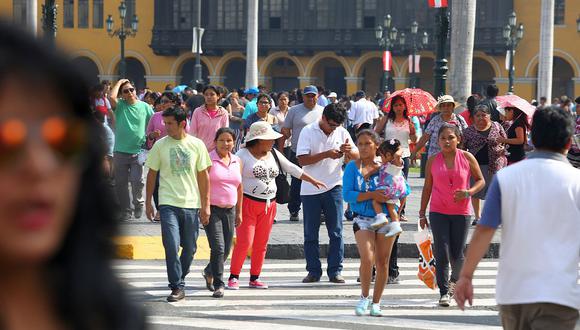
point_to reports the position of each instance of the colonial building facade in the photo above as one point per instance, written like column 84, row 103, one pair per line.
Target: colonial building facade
column 324, row 42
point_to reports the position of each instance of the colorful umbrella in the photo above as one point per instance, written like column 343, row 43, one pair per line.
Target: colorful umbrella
column 515, row 101
column 419, row 102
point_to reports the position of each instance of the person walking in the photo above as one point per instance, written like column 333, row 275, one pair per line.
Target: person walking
column 225, row 177
column 320, row 151
column 208, row 118
column 260, row 166
column 447, row 185
column 363, row 113
column 131, row 119
column 298, row 117
column 263, row 113
column 280, row 112
column 517, row 133
column 445, row 105
column 482, row 140
column 373, row 246
column 491, row 91
column 537, row 280
column 182, row 162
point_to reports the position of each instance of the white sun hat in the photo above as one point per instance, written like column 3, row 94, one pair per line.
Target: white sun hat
column 261, row 130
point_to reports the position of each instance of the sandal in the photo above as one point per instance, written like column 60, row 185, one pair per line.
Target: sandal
column 403, row 218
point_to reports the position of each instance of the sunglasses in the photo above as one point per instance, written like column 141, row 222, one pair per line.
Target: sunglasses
column 264, row 103
column 66, row 137
column 128, row 90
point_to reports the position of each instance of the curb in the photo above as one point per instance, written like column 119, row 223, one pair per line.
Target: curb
column 151, row 248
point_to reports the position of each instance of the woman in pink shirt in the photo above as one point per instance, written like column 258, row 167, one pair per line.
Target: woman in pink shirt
column 208, row 118
column 225, row 177
column 447, row 184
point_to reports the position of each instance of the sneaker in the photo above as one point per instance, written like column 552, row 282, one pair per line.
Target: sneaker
column 474, row 222
column 394, row 229
column 310, row 279
column 176, row 295
column 208, row 281
column 233, row 284
column 124, row 216
column 218, row 293
column 348, row 215
column 257, row 284
column 451, row 289
column 337, row 279
column 294, row 217
column 444, row 300
column 380, row 220
column 138, row 212
column 376, row 310
column 362, row 306
column 393, row 280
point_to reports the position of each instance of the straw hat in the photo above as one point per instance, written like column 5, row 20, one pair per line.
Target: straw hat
column 261, row 130
column 446, row 99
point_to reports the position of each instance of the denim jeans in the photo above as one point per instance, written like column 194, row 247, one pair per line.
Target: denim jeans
column 220, row 233
column 449, row 236
column 179, row 227
column 330, row 203
column 295, row 184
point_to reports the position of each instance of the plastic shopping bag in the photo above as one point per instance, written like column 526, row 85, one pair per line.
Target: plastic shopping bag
column 426, row 260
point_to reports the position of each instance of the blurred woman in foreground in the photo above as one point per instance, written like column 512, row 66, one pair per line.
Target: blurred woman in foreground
column 55, row 212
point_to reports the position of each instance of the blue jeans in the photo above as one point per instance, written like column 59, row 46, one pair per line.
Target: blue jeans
column 330, row 203
column 179, row 227
column 295, row 184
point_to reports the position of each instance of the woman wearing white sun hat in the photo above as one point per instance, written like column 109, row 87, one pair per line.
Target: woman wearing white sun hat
column 259, row 171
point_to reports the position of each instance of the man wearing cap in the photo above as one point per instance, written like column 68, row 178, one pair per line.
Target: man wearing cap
column 299, row 116
column 445, row 105
column 320, row 150
column 332, row 97
column 363, row 112
column 251, row 108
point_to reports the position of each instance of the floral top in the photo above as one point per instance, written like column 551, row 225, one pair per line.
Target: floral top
column 475, row 141
column 433, row 129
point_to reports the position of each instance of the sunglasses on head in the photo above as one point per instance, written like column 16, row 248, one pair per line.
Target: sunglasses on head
column 66, row 137
column 128, row 90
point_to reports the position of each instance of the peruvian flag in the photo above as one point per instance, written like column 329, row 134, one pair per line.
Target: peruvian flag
column 387, row 61
column 437, row 3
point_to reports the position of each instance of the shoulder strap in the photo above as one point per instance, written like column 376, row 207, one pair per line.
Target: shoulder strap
column 274, row 153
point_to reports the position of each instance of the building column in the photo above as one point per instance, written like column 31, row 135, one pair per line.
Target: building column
column 462, row 39
column 32, row 16
column 252, row 45
column 546, row 57
column 305, row 81
column 216, row 80
column 353, row 84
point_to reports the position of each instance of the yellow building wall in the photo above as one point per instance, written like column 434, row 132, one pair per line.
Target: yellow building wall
column 161, row 70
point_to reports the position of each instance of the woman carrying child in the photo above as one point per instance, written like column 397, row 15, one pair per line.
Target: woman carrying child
column 360, row 181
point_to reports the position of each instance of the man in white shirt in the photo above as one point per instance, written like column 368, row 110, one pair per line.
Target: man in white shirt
column 363, row 112
column 321, row 147
column 537, row 202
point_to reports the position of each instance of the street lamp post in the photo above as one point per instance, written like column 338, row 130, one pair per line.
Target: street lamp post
column 415, row 46
column 199, row 31
column 122, row 33
column 49, row 21
column 512, row 34
column 440, row 72
column 386, row 37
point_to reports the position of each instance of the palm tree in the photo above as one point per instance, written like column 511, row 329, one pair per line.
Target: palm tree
column 462, row 36
column 546, row 50
column 252, row 45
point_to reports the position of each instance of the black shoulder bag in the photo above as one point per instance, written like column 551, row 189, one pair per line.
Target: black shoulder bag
column 282, row 185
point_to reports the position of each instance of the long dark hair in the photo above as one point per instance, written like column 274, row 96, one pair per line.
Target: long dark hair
column 520, row 119
column 391, row 115
column 87, row 293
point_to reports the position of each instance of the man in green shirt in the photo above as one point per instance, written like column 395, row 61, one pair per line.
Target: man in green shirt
column 132, row 117
column 183, row 163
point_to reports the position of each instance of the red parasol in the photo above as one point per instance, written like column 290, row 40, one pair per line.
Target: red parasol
column 419, row 102
column 515, row 101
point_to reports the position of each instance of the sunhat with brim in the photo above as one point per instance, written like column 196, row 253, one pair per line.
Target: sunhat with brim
column 261, row 130
column 446, row 99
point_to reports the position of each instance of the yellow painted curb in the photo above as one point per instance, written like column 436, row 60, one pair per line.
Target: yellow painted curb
column 151, row 248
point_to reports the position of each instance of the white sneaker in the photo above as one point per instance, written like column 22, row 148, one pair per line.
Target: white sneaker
column 444, row 300
column 394, row 229
column 380, row 220
column 362, row 306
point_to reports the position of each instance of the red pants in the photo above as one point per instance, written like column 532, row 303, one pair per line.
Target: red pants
column 257, row 220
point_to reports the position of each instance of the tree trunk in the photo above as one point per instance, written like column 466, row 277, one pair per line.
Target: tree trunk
column 252, row 45
column 462, row 38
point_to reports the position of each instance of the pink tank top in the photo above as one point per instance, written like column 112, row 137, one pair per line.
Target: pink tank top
column 446, row 182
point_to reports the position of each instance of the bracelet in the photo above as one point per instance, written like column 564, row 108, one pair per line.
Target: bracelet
column 467, row 194
column 422, row 217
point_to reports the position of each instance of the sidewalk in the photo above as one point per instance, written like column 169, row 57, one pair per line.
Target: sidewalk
column 141, row 239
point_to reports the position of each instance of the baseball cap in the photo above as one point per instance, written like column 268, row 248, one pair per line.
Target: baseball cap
column 332, row 94
column 252, row 90
column 310, row 90
column 360, row 94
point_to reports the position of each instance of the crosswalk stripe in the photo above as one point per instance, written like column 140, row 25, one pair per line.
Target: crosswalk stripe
column 211, row 323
